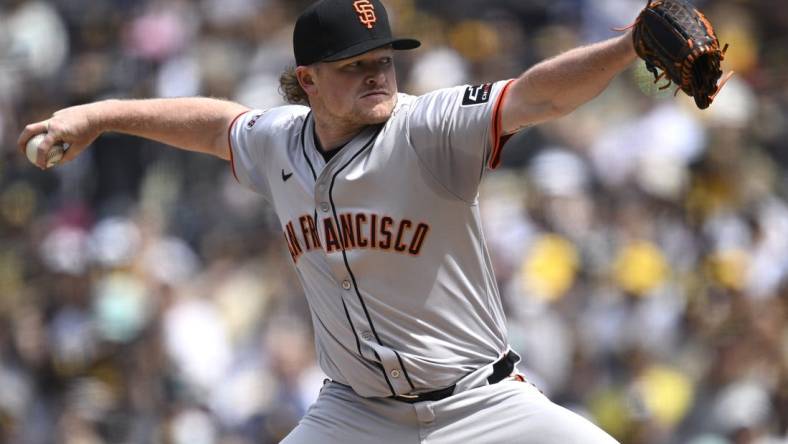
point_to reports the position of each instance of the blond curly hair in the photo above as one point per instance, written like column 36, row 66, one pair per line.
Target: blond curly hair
column 290, row 89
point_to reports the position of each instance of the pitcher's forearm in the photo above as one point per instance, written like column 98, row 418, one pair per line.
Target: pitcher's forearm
column 194, row 124
column 559, row 85
column 579, row 75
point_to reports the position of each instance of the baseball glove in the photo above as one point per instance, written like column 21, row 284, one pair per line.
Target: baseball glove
column 676, row 38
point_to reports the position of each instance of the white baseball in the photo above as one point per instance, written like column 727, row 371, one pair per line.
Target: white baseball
column 53, row 155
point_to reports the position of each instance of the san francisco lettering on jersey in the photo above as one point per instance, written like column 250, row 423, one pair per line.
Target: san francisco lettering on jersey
column 355, row 231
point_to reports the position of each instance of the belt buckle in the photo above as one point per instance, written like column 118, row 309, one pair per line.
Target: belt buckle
column 409, row 396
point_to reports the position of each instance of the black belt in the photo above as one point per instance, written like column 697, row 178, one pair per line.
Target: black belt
column 501, row 369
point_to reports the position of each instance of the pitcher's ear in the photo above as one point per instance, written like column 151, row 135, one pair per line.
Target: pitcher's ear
column 306, row 77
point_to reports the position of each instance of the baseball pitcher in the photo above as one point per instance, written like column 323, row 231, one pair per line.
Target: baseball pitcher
column 376, row 193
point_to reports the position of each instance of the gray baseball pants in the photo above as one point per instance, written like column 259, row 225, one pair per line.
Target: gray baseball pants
column 508, row 412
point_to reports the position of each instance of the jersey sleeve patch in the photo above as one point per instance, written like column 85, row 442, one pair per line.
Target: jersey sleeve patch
column 477, row 95
column 253, row 121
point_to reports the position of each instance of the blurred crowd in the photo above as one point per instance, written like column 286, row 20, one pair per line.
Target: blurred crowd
column 641, row 246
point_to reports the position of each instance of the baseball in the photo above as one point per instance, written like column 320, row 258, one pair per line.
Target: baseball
column 53, row 156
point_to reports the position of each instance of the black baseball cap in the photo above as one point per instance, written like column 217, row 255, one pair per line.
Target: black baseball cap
column 332, row 30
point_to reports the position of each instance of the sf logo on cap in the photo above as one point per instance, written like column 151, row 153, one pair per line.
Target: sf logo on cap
column 366, row 13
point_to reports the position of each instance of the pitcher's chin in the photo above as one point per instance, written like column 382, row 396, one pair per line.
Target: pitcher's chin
column 377, row 113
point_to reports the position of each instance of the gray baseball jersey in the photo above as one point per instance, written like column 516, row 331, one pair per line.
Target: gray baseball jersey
column 386, row 237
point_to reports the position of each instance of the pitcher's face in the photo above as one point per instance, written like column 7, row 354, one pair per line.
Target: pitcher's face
column 361, row 90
